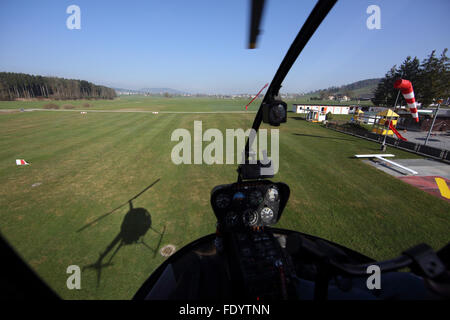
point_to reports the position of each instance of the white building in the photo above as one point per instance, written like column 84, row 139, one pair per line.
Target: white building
column 315, row 116
column 334, row 109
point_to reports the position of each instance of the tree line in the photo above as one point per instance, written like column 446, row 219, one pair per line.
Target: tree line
column 430, row 80
column 20, row 85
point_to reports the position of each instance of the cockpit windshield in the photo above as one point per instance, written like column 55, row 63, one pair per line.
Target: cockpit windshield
column 124, row 126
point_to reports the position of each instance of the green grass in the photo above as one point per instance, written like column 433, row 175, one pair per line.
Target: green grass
column 154, row 103
column 342, row 117
column 90, row 164
column 142, row 103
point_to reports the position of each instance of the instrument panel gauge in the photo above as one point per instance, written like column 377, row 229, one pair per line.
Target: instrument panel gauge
column 272, row 194
column 266, row 215
column 231, row 219
column 223, row 201
column 239, row 196
column 250, row 217
column 255, row 198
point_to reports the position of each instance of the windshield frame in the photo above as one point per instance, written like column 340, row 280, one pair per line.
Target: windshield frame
column 315, row 18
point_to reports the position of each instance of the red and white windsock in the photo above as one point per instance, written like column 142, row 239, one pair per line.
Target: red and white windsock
column 406, row 88
column 21, row 162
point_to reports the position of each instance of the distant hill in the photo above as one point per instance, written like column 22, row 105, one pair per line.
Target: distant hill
column 358, row 89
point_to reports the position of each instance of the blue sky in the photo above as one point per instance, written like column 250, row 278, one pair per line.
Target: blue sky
column 200, row 45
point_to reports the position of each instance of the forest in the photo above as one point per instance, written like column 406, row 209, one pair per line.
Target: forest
column 24, row 86
column 430, row 80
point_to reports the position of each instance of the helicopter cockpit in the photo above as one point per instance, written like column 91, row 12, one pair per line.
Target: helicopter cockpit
column 247, row 258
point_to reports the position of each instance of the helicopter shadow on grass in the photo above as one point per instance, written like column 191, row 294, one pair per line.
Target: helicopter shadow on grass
column 135, row 225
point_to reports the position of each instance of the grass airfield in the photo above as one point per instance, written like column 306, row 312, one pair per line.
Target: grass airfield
column 155, row 103
column 87, row 165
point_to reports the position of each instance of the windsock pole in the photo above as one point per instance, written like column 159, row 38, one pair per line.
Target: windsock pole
column 383, row 146
column 432, row 124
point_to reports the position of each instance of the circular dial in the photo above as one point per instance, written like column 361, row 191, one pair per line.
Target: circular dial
column 250, row 217
column 266, row 215
column 272, row 194
column 231, row 219
column 255, row 198
column 222, row 201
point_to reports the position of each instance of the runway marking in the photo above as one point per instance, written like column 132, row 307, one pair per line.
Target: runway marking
column 434, row 185
column 443, row 188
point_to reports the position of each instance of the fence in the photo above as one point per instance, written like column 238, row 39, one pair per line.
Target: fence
column 358, row 131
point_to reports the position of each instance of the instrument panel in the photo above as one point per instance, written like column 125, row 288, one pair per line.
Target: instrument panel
column 249, row 204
